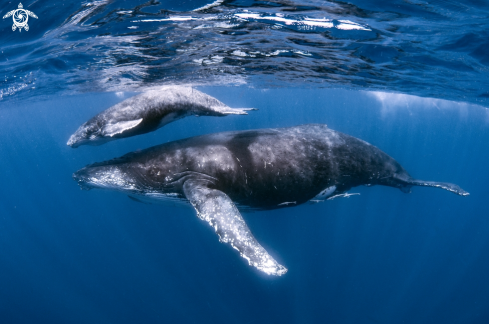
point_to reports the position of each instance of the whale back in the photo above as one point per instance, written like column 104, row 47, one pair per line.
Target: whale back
column 262, row 169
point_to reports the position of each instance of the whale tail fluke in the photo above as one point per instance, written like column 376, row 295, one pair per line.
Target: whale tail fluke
column 407, row 182
column 443, row 185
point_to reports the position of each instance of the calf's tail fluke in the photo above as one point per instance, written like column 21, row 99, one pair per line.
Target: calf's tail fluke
column 443, row 185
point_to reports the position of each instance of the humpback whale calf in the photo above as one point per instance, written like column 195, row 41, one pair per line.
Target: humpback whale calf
column 147, row 112
column 259, row 169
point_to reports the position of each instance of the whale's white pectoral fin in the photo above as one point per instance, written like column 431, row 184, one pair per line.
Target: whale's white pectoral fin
column 238, row 111
column 225, row 110
column 217, row 209
column 120, row 127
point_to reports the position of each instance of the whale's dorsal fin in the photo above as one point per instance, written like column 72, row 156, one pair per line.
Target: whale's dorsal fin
column 120, row 127
column 217, row 209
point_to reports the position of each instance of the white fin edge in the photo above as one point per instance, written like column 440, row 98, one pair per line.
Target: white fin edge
column 120, row 127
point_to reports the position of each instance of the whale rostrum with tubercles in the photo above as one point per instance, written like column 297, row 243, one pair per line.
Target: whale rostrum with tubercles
column 147, row 112
column 223, row 173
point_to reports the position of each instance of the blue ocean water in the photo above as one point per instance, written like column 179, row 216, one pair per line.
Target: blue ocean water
column 379, row 257
column 410, row 77
column 425, row 48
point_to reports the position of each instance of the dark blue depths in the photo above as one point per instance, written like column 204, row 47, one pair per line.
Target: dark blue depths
column 72, row 256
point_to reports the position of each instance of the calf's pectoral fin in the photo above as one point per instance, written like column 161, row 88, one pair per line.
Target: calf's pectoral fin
column 217, row 209
column 224, row 111
column 120, row 127
column 238, row 111
column 443, row 185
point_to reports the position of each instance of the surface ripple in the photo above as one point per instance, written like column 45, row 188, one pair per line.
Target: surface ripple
column 437, row 49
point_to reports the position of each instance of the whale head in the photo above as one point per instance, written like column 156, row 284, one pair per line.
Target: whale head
column 90, row 133
column 106, row 176
column 100, row 130
column 132, row 178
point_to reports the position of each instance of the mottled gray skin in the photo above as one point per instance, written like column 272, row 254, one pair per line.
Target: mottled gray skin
column 147, row 112
column 259, row 169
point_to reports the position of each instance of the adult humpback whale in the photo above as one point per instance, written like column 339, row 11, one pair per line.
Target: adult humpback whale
column 147, row 112
column 259, row 169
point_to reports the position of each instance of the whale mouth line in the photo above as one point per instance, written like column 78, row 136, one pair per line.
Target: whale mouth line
column 97, row 184
column 112, row 179
column 72, row 144
column 71, row 141
column 82, row 183
column 76, row 140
